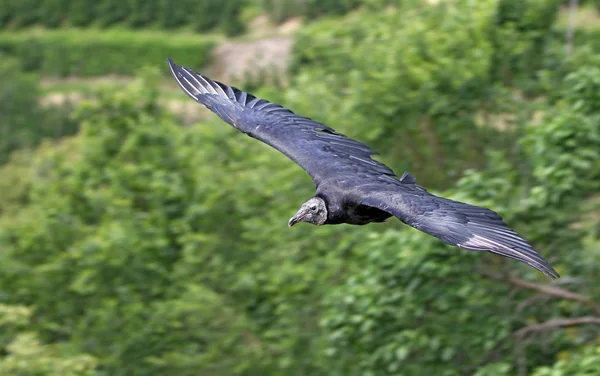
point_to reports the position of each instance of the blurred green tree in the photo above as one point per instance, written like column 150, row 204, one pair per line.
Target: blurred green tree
column 23, row 121
column 140, row 247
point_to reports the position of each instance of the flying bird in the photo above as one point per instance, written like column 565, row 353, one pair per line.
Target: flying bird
column 351, row 187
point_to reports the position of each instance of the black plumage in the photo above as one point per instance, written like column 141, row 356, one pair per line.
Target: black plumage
column 351, row 187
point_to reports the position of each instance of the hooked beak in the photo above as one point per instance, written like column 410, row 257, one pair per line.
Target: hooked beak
column 296, row 218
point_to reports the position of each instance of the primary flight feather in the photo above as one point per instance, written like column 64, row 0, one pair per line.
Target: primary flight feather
column 352, row 187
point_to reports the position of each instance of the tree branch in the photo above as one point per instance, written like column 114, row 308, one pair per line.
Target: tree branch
column 536, row 328
column 552, row 324
column 545, row 290
column 529, row 301
column 554, row 291
column 550, row 290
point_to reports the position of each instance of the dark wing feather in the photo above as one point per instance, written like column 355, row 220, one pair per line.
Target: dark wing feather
column 318, row 149
column 456, row 223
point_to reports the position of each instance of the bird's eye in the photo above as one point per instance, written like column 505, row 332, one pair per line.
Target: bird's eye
column 313, row 208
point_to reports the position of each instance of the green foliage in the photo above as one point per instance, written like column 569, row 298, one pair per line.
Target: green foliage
column 584, row 362
column 142, row 12
column 12, row 318
column 15, row 182
column 18, row 108
column 24, row 12
column 93, row 53
column 565, row 147
column 520, row 38
column 133, row 171
column 7, row 12
column 280, row 10
column 170, row 16
column 23, row 122
column 112, row 11
column 81, row 13
column 202, row 15
column 385, row 318
column 26, row 356
column 230, row 21
column 420, row 87
column 131, row 249
column 52, row 13
column 513, row 37
column 141, row 247
column 594, row 3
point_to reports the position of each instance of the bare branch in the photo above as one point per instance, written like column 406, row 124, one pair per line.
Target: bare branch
column 553, row 324
column 529, row 301
column 554, row 291
column 536, row 328
column 549, row 290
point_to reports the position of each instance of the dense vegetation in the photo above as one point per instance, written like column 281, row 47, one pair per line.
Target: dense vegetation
column 93, row 53
column 24, row 122
column 199, row 15
column 139, row 247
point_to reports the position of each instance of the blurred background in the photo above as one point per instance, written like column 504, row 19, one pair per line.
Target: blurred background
column 141, row 235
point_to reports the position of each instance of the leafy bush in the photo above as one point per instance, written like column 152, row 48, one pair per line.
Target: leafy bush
column 131, row 249
column 6, row 14
column 91, row 53
column 112, row 12
column 520, row 38
column 280, row 10
column 583, row 362
column 420, row 87
column 52, row 13
column 24, row 123
column 389, row 317
column 81, row 13
column 24, row 13
column 136, row 172
column 201, row 15
column 24, row 355
column 426, row 74
column 19, row 111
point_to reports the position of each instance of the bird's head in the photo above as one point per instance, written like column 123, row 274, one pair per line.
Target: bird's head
column 312, row 211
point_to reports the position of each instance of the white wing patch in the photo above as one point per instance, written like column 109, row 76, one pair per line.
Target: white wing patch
column 477, row 242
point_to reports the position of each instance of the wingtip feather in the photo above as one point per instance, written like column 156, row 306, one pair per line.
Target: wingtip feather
column 527, row 255
column 172, row 65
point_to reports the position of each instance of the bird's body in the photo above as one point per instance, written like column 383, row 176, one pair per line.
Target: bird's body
column 351, row 187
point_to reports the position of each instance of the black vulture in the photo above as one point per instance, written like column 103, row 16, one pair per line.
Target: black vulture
column 351, row 187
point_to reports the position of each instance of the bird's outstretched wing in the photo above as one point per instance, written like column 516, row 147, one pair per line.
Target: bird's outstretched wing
column 456, row 223
column 318, row 149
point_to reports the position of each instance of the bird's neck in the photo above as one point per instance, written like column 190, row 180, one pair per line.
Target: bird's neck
column 335, row 209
